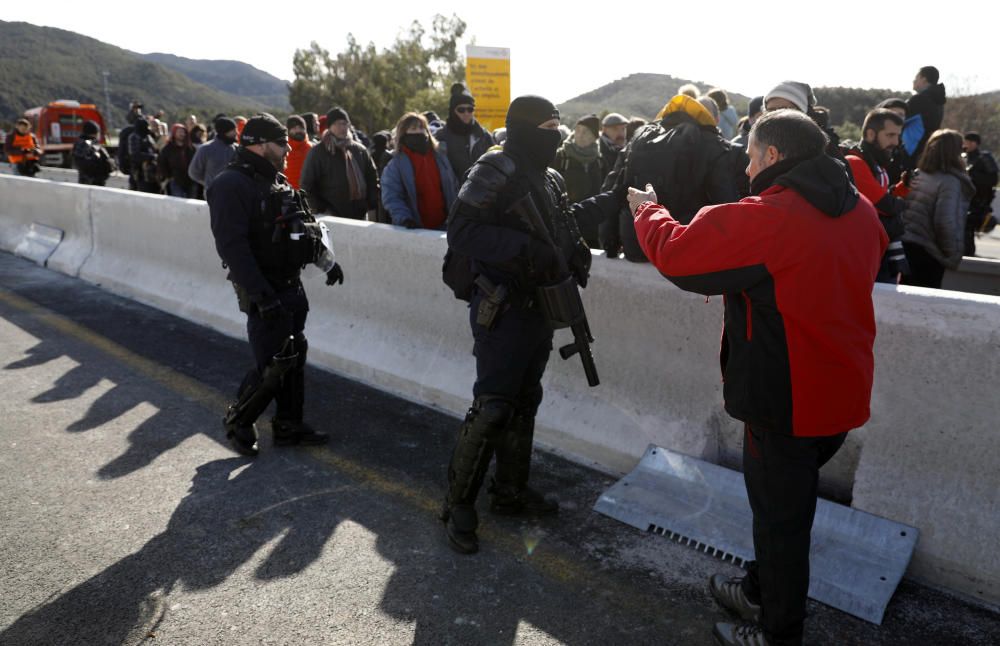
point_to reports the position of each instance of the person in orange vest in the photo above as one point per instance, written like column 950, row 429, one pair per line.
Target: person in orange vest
column 299, row 141
column 22, row 149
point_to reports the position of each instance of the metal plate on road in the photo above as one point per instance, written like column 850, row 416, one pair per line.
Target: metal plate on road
column 857, row 559
column 39, row 243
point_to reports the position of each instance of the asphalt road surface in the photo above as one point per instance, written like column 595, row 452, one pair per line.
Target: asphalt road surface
column 126, row 519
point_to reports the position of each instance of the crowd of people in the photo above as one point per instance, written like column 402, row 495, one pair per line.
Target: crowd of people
column 933, row 190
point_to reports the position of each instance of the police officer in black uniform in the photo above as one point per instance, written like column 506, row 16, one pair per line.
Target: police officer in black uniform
column 512, row 346
column 265, row 235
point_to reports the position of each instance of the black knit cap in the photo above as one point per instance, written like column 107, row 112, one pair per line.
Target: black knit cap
column 592, row 123
column 90, row 127
column 336, row 114
column 460, row 96
column 224, row 125
column 295, row 120
column 531, row 110
column 261, row 129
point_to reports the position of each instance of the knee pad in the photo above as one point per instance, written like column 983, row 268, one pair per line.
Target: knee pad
column 493, row 413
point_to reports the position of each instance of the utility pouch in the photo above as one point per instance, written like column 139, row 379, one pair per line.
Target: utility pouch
column 561, row 304
column 242, row 299
column 492, row 305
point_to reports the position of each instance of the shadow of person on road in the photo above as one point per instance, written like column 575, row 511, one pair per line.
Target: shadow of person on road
column 228, row 515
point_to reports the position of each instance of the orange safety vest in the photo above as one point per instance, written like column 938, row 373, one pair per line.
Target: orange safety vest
column 27, row 141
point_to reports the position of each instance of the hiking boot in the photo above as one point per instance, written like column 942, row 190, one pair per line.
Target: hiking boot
column 746, row 634
column 243, row 439
column 288, row 433
column 526, row 502
column 728, row 592
column 461, row 522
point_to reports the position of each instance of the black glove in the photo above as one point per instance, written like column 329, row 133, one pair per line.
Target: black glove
column 335, row 276
column 410, row 223
column 543, row 258
column 270, row 309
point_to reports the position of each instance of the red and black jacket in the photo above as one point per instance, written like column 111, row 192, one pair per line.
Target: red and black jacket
column 796, row 264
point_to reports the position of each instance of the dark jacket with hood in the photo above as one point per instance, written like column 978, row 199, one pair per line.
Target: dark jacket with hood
column 686, row 160
column 873, row 182
column 795, row 263
column 174, row 161
column 463, row 144
column 929, row 105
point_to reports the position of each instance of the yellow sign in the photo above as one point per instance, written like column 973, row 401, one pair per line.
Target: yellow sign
column 487, row 73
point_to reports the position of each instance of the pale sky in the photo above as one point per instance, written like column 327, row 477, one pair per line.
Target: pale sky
column 744, row 47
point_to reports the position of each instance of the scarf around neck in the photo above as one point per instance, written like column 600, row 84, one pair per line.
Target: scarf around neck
column 355, row 178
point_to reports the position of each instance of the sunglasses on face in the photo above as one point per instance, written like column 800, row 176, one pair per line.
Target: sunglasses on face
column 465, row 110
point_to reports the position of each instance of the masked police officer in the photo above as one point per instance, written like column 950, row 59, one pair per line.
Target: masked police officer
column 491, row 223
column 265, row 235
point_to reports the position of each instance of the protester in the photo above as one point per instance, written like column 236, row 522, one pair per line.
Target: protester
column 418, row 185
column 796, row 264
column 212, row 158
column 338, row 176
column 612, row 139
column 689, row 89
column 22, row 149
column 925, row 109
column 713, row 108
column 299, row 141
column 796, row 95
column 462, row 138
column 754, row 110
column 173, row 163
column 91, row 160
column 880, row 138
column 686, row 160
column 197, row 134
column 936, row 208
column 312, row 126
column 901, row 161
column 633, row 127
column 142, row 155
column 727, row 113
column 579, row 162
column 982, row 169
column 381, row 150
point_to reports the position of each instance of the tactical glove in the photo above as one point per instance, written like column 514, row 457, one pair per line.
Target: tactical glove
column 335, row 276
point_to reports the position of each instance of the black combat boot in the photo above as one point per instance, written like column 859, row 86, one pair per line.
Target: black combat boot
column 292, row 432
column 511, row 494
column 243, row 438
column 485, row 420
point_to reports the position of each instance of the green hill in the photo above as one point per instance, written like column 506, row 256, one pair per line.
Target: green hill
column 640, row 95
column 233, row 77
column 42, row 64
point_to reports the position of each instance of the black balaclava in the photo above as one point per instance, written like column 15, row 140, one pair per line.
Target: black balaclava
column 459, row 96
column 142, row 126
column 417, row 142
column 525, row 140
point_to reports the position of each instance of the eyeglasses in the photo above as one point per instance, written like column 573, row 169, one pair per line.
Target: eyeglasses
column 464, row 110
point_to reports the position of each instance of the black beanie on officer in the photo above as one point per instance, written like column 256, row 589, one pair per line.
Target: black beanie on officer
column 91, row 129
column 525, row 140
column 262, row 128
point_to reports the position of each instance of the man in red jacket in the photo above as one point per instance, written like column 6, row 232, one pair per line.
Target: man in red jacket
column 795, row 262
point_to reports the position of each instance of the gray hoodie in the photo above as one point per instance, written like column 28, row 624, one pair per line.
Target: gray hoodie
column 209, row 160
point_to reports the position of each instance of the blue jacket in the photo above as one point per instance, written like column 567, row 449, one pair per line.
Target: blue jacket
column 399, row 187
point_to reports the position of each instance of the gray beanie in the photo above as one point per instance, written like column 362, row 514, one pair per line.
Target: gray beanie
column 797, row 93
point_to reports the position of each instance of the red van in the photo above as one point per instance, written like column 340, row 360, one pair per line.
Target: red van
column 58, row 125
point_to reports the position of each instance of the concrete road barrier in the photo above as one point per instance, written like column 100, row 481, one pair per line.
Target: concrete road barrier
column 927, row 458
column 68, row 175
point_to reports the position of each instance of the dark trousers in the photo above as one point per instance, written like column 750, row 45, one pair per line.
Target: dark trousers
column 267, row 339
column 511, row 358
column 782, row 475
column 925, row 270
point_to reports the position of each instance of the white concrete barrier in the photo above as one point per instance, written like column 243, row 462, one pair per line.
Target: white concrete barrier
column 68, row 175
column 63, row 206
column 927, row 458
